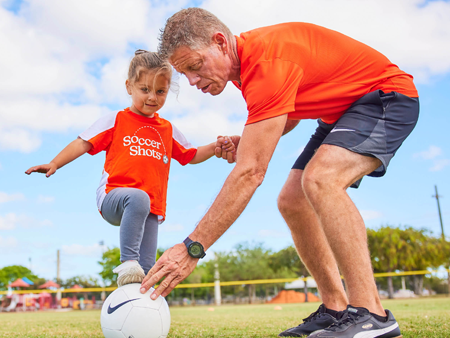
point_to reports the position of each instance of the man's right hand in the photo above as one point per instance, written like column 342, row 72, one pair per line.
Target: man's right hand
column 175, row 265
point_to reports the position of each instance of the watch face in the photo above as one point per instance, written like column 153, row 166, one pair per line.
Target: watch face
column 196, row 249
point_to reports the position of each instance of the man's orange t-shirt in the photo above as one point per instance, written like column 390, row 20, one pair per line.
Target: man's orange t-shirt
column 138, row 154
column 310, row 72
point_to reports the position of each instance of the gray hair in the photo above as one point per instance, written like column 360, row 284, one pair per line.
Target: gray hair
column 191, row 27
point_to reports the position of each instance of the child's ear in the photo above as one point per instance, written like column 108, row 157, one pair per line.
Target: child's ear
column 127, row 84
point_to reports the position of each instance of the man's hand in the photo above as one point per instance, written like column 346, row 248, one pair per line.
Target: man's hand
column 175, row 264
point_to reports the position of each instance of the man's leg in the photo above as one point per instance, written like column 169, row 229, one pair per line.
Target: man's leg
column 325, row 180
column 310, row 242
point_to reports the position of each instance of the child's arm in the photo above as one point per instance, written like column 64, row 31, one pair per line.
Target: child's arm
column 208, row 151
column 74, row 150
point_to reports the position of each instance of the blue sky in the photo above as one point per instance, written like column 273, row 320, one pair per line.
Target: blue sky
column 60, row 75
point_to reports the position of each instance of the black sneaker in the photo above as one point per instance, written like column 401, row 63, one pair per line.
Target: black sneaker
column 359, row 322
column 316, row 321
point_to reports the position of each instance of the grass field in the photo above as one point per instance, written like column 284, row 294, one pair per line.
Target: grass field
column 417, row 318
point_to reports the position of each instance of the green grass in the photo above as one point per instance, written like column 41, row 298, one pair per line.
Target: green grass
column 428, row 317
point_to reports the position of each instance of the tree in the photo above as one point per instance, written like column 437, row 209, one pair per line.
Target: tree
column 246, row 262
column 83, row 281
column 389, row 251
column 444, row 250
column 10, row 273
column 110, row 260
column 425, row 254
column 289, row 260
column 406, row 249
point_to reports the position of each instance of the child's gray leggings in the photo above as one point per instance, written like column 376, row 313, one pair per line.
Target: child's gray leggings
column 130, row 208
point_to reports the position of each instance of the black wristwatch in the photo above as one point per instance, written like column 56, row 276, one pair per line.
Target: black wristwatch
column 195, row 249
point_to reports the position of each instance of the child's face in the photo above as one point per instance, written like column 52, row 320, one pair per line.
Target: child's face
column 148, row 93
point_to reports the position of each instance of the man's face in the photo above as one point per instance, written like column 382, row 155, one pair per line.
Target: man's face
column 208, row 69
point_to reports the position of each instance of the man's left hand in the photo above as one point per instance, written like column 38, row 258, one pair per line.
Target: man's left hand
column 175, row 265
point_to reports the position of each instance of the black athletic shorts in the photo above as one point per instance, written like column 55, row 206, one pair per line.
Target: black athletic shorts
column 376, row 125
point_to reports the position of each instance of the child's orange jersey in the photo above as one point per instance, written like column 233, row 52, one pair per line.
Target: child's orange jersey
column 138, row 154
column 310, row 72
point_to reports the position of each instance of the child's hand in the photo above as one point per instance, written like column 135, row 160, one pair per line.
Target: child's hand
column 48, row 169
column 226, row 148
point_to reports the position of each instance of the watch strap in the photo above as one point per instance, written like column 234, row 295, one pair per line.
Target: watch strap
column 189, row 241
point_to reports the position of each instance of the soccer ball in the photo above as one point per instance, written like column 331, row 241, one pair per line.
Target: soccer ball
column 127, row 313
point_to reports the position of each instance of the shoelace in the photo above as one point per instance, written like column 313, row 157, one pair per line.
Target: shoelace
column 313, row 316
column 346, row 319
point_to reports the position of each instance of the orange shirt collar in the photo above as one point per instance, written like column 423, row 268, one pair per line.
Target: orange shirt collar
column 140, row 117
column 240, row 47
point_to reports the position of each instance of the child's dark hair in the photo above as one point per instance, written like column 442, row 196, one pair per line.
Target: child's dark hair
column 144, row 61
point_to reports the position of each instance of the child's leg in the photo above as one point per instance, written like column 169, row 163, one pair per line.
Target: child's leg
column 149, row 243
column 129, row 208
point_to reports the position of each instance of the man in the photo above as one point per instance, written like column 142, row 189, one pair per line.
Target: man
column 366, row 107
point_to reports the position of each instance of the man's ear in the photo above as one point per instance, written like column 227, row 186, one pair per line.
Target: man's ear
column 221, row 41
column 128, row 85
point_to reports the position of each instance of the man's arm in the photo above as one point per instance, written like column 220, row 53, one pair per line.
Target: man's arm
column 256, row 148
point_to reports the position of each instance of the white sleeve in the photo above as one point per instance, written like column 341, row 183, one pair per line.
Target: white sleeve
column 102, row 124
column 180, row 138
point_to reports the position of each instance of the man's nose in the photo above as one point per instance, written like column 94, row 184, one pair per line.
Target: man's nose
column 193, row 78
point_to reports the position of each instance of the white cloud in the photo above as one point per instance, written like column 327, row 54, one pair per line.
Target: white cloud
column 45, row 199
column 5, row 197
column 272, row 233
column 82, row 250
column 19, row 139
column 368, row 215
column 7, row 243
column 171, row 227
column 11, row 220
column 429, row 154
column 45, row 223
column 67, row 61
column 440, row 164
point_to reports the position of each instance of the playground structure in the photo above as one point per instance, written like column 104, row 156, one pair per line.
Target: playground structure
column 41, row 300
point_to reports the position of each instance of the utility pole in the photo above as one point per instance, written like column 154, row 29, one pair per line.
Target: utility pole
column 217, row 293
column 58, row 266
column 58, row 278
column 103, row 294
column 442, row 233
column 439, row 210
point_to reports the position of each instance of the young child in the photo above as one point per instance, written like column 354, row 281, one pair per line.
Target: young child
column 139, row 146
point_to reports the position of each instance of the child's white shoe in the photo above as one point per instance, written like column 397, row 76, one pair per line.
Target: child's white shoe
column 129, row 272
